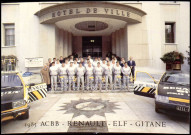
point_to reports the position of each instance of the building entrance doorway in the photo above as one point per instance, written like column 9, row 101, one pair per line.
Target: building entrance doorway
column 92, row 46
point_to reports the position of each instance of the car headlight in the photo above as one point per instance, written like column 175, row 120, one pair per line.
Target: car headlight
column 163, row 99
column 18, row 103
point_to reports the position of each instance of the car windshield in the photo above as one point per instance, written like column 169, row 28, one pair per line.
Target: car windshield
column 178, row 78
column 10, row 81
column 144, row 77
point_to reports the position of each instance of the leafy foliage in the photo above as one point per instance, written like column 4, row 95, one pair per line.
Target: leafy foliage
column 9, row 57
column 171, row 57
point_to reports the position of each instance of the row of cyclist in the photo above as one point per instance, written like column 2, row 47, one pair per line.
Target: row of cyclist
column 89, row 77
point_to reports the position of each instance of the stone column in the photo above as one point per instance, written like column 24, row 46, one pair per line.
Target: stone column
column 113, row 41
column 125, row 41
column 121, row 37
column 60, row 48
column 117, row 43
column 69, row 43
column 65, row 44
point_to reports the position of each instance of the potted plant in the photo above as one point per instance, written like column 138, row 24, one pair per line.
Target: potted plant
column 5, row 60
column 188, row 58
column 173, row 60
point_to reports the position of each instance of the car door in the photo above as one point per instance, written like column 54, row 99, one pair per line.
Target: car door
column 36, row 88
column 144, row 84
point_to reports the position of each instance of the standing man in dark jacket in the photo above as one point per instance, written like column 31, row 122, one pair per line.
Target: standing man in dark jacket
column 131, row 63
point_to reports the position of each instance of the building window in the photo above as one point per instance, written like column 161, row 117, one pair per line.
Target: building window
column 9, row 34
column 169, row 32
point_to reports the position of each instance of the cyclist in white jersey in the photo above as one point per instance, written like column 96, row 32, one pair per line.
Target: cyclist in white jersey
column 98, row 71
column 80, row 71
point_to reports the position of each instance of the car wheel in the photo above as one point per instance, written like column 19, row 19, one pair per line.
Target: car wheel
column 157, row 109
column 24, row 116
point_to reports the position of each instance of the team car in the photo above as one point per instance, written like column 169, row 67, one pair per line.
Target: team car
column 171, row 91
column 18, row 91
column 14, row 96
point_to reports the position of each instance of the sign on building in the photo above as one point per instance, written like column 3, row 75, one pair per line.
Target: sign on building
column 33, row 62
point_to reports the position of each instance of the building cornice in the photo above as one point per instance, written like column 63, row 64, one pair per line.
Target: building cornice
column 91, row 2
column 10, row 3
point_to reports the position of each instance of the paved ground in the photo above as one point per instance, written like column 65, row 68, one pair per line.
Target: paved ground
column 96, row 112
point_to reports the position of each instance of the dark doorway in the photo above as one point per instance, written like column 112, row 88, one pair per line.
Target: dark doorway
column 92, row 46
